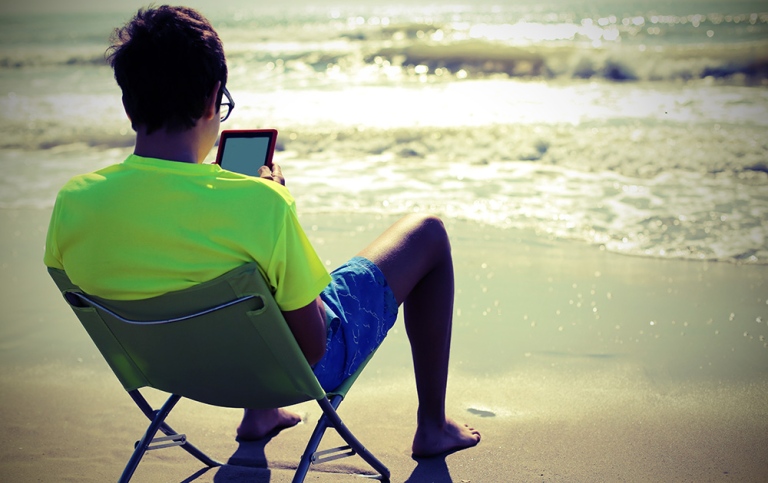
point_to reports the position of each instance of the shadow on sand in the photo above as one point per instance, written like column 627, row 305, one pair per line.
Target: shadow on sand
column 430, row 470
column 247, row 463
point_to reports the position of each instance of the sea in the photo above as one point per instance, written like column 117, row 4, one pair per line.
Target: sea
column 640, row 127
column 602, row 166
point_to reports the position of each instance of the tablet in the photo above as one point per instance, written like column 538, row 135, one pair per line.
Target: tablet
column 245, row 151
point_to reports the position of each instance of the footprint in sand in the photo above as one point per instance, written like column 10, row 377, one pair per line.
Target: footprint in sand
column 483, row 413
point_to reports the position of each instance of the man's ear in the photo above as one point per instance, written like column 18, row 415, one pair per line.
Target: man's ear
column 211, row 109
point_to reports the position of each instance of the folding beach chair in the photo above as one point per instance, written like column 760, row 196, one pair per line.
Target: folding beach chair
column 202, row 343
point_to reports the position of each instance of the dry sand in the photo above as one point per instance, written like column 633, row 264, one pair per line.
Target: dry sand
column 576, row 365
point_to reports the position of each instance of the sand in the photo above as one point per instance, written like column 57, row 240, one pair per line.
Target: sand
column 577, row 365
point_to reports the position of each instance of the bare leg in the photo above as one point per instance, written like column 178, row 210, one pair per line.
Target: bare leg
column 415, row 257
column 258, row 423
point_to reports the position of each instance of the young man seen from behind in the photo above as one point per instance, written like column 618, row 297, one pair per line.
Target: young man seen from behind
column 167, row 231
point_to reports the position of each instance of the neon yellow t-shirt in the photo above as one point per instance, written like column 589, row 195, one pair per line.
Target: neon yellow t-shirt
column 148, row 226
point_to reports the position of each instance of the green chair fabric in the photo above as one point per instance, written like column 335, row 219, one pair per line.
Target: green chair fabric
column 202, row 343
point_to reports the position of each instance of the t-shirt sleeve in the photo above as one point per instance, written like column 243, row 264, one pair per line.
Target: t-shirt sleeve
column 295, row 268
column 52, row 256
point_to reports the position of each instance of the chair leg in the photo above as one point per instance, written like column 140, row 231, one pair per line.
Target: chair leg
column 143, row 444
column 312, row 444
column 157, row 419
column 331, row 419
column 168, row 431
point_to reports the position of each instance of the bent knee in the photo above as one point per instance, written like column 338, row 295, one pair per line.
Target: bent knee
column 431, row 230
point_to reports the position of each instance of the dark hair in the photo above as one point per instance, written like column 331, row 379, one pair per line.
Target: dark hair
column 166, row 61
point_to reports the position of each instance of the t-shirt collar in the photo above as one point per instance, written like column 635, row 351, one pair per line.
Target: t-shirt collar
column 168, row 165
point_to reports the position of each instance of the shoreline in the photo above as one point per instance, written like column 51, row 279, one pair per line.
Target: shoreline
column 555, row 360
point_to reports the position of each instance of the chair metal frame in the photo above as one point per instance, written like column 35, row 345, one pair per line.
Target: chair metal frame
column 77, row 299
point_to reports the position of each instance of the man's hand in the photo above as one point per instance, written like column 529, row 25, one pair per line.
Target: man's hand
column 275, row 174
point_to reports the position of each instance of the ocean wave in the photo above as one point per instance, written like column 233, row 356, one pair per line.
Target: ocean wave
column 643, row 48
column 14, row 60
column 54, row 136
column 748, row 62
column 652, row 190
column 632, row 149
column 651, row 203
column 742, row 63
column 739, row 63
column 655, row 191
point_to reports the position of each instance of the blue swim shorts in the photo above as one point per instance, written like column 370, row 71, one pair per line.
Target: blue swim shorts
column 360, row 309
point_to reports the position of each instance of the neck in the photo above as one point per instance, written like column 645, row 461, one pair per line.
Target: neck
column 181, row 146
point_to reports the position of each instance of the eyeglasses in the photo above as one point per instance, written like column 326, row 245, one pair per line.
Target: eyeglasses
column 227, row 106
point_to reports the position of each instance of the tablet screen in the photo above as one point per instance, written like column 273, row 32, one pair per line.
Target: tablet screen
column 246, row 151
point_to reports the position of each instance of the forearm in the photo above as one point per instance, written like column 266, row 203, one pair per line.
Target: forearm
column 308, row 327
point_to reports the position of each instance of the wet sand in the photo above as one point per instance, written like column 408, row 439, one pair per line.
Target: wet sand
column 574, row 363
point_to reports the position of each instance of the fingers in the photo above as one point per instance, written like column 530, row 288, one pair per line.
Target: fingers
column 275, row 173
column 265, row 172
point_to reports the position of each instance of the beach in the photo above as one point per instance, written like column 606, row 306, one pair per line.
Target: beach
column 601, row 168
column 665, row 381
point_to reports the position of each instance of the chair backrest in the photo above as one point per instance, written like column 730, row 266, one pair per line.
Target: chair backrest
column 223, row 342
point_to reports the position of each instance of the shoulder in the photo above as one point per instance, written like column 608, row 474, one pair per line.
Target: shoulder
column 82, row 182
column 256, row 187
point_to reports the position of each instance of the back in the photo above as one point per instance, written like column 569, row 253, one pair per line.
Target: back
column 243, row 355
column 148, row 226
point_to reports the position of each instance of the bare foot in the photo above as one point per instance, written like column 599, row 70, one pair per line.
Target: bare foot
column 446, row 438
column 258, row 423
